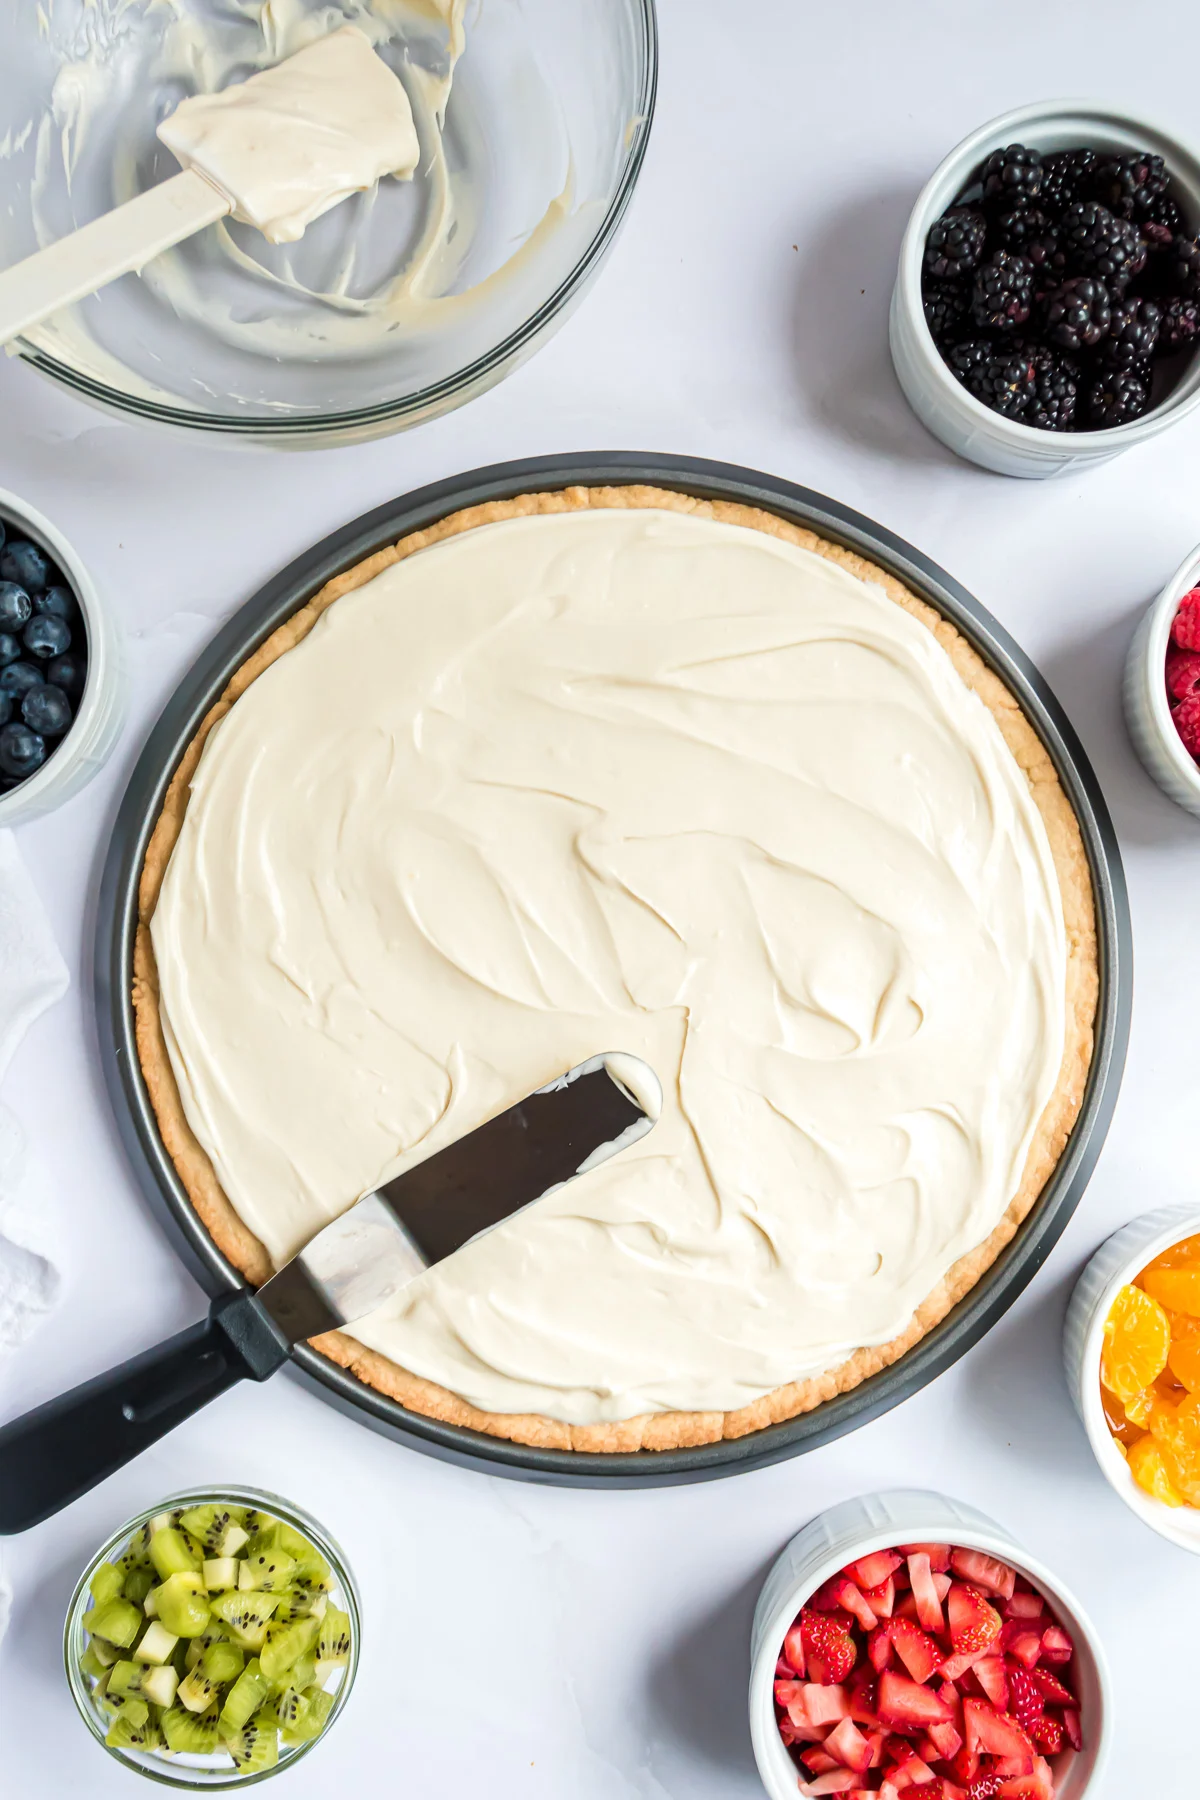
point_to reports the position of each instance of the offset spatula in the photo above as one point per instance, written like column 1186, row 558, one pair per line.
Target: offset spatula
column 60, row 1450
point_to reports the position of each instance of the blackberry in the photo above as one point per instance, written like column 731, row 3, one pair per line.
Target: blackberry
column 1025, row 227
column 1180, row 328
column 1010, row 176
column 1164, row 213
column 965, row 358
column 947, row 309
column 1002, row 297
column 1132, row 334
column 1129, row 185
column 1006, row 382
column 1057, row 382
column 1077, row 313
column 1096, row 243
column 1117, row 397
column 955, row 242
column 1066, row 177
column 1181, row 268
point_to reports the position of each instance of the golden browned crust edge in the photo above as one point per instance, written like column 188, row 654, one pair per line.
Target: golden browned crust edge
column 666, row 1430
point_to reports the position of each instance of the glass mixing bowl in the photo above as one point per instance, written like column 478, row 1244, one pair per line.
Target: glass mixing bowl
column 395, row 306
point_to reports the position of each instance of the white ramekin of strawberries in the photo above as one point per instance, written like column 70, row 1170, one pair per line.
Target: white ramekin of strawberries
column 1162, row 687
column 904, row 1641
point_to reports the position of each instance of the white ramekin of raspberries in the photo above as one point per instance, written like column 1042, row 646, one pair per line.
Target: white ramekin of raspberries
column 904, row 1640
column 1046, row 313
column 1162, row 687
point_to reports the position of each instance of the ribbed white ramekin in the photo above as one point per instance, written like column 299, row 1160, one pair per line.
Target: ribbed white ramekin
column 1144, row 691
column 911, row 1516
column 1117, row 1261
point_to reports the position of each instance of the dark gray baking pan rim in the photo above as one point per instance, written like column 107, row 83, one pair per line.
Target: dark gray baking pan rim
column 291, row 588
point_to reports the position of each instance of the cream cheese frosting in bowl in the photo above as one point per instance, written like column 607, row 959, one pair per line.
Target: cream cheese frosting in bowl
column 531, row 118
column 641, row 782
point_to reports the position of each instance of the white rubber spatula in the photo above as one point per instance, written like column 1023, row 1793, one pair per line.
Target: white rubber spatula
column 275, row 151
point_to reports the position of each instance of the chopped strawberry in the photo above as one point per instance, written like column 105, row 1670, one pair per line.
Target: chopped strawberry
column 916, row 1650
column 1025, row 1702
column 895, row 1748
column 1187, row 723
column 1051, row 1687
column 828, row 1646
column 905, row 1703
column 938, row 1554
column 912, row 1772
column 852, row 1600
column 945, row 1740
column 955, row 1667
column 1072, row 1728
column 1037, row 1785
column 879, row 1645
column 818, row 1761
column 888, row 1792
column 1183, row 672
column 964, row 1765
column 942, row 1584
column 984, row 1571
column 906, row 1605
column 870, row 1570
column 989, row 1673
column 850, row 1747
column 949, row 1692
column 974, row 1625
column 784, row 1670
column 1025, row 1646
column 929, row 1605
column 787, row 1691
column 835, row 1781
column 1047, row 1734
column 881, row 1599
column 1056, row 1645
column 864, row 1701
column 996, row 1734
column 1024, row 1606
column 824, row 1705
column 875, row 1740
column 793, row 1650
column 983, row 1787
column 1185, row 627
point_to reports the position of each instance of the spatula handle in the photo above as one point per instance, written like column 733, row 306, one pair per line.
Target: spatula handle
column 96, row 254
column 52, row 1455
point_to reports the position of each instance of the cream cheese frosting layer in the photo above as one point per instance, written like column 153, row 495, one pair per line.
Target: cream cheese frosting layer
column 622, row 781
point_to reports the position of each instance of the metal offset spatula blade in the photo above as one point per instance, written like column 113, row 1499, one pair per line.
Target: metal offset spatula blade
column 52, row 1455
column 390, row 1236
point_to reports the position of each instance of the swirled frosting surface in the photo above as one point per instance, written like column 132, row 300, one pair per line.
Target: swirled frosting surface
column 623, row 781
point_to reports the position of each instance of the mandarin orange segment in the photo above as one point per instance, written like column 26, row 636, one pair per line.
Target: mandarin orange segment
column 1148, row 1469
column 1177, row 1289
column 1183, row 1361
column 1137, row 1337
column 1117, row 1420
column 1176, row 1431
column 1179, row 1256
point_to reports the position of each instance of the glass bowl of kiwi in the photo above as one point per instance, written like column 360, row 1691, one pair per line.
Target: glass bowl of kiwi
column 214, row 1639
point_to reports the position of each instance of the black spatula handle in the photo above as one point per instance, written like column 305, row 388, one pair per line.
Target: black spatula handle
column 58, row 1451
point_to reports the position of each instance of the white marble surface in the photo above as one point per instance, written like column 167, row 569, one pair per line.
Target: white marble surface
column 525, row 1641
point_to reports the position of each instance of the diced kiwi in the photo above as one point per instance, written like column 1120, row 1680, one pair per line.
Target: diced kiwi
column 220, row 1664
column 220, row 1573
column 285, row 1643
column 312, row 1721
column 265, row 1565
column 235, row 1540
column 208, row 1525
column 104, row 1652
column 117, row 1620
column 244, row 1698
column 150, row 1603
column 255, row 1747
column 246, row 1615
column 156, row 1643
column 159, row 1683
column 197, row 1692
column 107, row 1582
column 286, row 1708
column 333, row 1644
column 91, row 1665
column 171, row 1553
column 124, row 1678
column 215, row 1632
column 182, row 1605
column 252, row 1521
column 302, row 1673
column 138, row 1583
column 187, row 1733
column 125, row 1734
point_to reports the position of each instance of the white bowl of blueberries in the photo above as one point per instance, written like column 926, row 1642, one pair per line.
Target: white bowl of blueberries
column 60, row 683
column 1046, row 314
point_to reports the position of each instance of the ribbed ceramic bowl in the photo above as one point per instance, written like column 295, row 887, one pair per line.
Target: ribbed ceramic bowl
column 1116, row 1262
column 906, row 1516
column 1144, row 692
column 941, row 403
column 97, row 723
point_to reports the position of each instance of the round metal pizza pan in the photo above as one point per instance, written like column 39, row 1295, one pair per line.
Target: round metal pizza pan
column 1016, row 1266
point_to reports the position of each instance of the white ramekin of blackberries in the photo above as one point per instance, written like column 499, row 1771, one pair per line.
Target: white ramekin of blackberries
column 1046, row 313
column 60, row 679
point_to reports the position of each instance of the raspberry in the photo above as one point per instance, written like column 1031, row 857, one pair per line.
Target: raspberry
column 1185, row 630
column 1187, row 724
column 1183, row 672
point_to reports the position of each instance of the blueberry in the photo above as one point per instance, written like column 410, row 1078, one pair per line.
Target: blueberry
column 6, row 707
column 46, row 636
column 47, row 710
column 23, row 562
column 10, row 649
column 59, row 602
column 15, row 606
column 21, row 751
column 67, row 672
column 18, row 677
